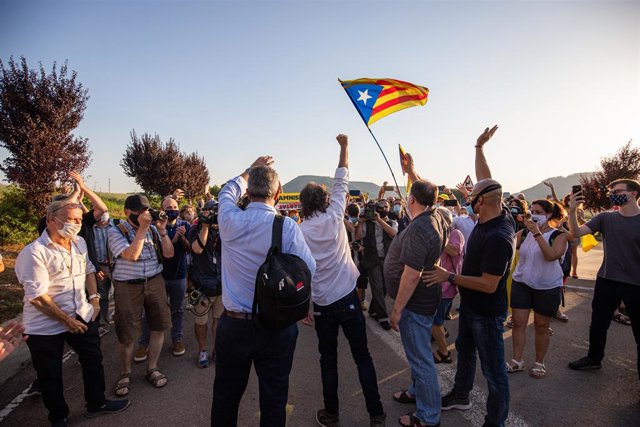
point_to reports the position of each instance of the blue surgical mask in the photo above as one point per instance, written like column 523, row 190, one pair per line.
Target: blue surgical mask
column 469, row 210
column 397, row 209
column 295, row 218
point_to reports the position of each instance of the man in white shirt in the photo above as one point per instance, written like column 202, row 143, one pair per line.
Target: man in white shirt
column 333, row 287
column 54, row 270
column 246, row 239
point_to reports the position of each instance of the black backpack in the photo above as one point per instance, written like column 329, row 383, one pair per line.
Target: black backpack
column 283, row 286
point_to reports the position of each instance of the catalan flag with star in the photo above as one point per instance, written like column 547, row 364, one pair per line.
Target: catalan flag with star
column 377, row 98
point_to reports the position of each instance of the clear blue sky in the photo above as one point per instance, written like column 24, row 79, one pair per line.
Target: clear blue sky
column 235, row 80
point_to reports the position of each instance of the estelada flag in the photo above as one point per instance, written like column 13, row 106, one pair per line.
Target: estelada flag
column 404, row 161
column 377, row 98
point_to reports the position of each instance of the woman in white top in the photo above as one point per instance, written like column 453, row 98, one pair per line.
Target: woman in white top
column 537, row 281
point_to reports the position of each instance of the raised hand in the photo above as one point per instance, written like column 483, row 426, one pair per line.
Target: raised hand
column 78, row 179
column 463, row 190
column 263, row 161
column 343, row 140
column 486, row 136
column 178, row 194
column 548, row 184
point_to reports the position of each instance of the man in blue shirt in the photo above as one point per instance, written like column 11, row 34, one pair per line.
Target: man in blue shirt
column 246, row 239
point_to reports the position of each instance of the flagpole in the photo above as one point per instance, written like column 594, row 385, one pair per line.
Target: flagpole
column 388, row 165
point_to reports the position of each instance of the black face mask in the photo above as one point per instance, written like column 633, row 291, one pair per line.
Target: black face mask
column 134, row 219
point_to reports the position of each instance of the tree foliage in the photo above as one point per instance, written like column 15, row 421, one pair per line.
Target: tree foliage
column 623, row 164
column 38, row 112
column 160, row 167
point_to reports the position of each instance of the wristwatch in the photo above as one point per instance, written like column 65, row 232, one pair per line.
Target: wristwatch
column 452, row 278
column 94, row 296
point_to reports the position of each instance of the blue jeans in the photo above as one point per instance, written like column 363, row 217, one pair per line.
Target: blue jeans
column 240, row 343
column 415, row 331
column 484, row 335
column 345, row 313
column 175, row 291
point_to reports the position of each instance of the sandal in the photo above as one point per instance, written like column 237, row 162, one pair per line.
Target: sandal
column 538, row 371
column 413, row 421
column 122, row 389
column 155, row 379
column 515, row 366
column 404, row 397
column 442, row 358
column 621, row 318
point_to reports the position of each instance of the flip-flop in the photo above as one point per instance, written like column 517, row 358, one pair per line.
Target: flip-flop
column 404, row 397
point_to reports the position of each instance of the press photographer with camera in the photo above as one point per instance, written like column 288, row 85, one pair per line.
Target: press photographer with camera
column 376, row 231
column 174, row 272
column 139, row 249
column 205, row 276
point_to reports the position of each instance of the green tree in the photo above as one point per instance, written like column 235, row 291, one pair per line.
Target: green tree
column 38, row 112
column 625, row 163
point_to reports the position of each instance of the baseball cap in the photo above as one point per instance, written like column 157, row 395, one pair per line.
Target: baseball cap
column 210, row 205
column 137, row 202
column 443, row 196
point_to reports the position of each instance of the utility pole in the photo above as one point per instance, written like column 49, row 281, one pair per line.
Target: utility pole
column 109, row 185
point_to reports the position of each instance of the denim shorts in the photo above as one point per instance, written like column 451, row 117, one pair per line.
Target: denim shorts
column 443, row 309
column 545, row 302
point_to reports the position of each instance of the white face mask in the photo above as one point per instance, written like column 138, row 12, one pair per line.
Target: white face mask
column 104, row 218
column 539, row 219
column 69, row 229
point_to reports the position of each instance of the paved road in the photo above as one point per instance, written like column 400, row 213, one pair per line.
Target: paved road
column 606, row 397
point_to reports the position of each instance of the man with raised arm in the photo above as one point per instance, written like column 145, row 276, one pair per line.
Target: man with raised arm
column 483, row 295
column 240, row 343
column 335, row 300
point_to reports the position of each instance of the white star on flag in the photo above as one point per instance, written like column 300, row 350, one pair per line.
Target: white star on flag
column 364, row 96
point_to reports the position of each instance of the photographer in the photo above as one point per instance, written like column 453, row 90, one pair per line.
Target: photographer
column 205, row 276
column 399, row 215
column 376, row 232
column 350, row 223
column 174, row 272
column 138, row 248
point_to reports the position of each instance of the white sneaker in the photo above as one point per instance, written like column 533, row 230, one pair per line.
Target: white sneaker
column 203, row 359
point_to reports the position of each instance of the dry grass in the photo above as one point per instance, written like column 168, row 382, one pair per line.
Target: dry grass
column 11, row 292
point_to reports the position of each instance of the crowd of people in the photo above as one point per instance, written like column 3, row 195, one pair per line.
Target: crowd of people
column 497, row 253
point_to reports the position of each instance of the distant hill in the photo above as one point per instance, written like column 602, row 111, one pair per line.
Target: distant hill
column 298, row 183
column 562, row 185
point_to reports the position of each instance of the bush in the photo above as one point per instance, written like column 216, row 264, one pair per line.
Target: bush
column 17, row 225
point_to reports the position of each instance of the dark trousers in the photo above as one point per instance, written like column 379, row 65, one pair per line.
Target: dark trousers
column 345, row 313
column 606, row 299
column 378, row 305
column 482, row 335
column 239, row 343
column 46, row 354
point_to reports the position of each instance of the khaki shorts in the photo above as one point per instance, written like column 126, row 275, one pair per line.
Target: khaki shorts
column 216, row 310
column 130, row 299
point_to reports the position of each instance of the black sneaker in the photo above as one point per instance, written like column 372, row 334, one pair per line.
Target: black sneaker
column 385, row 325
column 454, row 401
column 377, row 420
column 585, row 364
column 33, row 390
column 108, row 407
column 326, row 419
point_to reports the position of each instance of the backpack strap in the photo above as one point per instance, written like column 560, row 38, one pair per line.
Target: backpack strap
column 156, row 239
column 276, row 232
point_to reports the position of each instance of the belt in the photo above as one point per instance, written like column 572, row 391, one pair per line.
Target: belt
column 235, row 315
column 138, row 281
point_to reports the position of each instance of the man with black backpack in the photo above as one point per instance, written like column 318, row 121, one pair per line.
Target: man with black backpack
column 335, row 299
column 252, row 331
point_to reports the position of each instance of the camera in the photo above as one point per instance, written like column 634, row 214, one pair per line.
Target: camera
column 211, row 218
column 157, row 215
column 355, row 245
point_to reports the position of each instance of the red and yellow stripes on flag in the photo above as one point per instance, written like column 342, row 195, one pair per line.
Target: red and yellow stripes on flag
column 404, row 161
column 395, row 95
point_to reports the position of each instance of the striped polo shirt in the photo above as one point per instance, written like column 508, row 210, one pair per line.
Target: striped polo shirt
column 147, row 264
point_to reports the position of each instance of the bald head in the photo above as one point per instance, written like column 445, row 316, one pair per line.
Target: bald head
column 489, row 189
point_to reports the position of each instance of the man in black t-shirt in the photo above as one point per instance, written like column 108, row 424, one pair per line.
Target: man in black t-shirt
column 483, row 296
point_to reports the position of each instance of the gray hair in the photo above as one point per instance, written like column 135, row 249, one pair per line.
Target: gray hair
column 263, row 182
column 446, row 214
column 57, row 205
